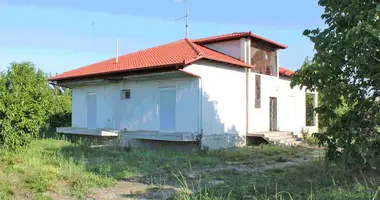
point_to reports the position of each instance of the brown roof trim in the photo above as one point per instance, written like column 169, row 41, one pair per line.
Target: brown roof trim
column 122, row 72
column 199, row 52
column 236, row 36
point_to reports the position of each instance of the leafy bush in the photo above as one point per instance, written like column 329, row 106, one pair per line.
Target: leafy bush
column 345, row 71
column 29, row 104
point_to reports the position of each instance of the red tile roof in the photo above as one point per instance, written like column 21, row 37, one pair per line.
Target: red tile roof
column 237, row 35
column 285, row 72
column 175, row 54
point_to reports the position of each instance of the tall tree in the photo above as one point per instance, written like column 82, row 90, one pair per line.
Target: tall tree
column 28, row 104
column 346, row 70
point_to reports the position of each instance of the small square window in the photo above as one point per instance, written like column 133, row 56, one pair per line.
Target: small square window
column 125, row 94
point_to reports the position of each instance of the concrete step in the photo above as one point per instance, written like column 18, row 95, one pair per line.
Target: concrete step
column 289, row 142
column 277, row 133
column 284, row 138
column 280, row 137
column 269, row 134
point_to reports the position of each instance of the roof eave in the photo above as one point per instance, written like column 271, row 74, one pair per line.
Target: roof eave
column 221, row 61
column 115, row 72
column 248, row 34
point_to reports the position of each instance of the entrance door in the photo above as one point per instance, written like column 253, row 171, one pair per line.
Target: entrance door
column 167, row 109
column 91, row 110
column 272, row 113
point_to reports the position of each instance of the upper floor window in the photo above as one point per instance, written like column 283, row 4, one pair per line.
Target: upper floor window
column 257, row 91
column 265, row 60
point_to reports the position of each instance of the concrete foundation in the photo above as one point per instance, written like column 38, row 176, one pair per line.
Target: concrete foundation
column 216, row 141
column 163, row 145
column 90, row 132
column 219, row 141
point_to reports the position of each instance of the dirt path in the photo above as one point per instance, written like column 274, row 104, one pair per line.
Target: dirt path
column 131, row 190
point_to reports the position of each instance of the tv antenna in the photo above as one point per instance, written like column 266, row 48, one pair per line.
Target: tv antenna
column 186, row 16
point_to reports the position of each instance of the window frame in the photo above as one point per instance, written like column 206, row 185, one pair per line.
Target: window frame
column 257, row 91
column 123, row 94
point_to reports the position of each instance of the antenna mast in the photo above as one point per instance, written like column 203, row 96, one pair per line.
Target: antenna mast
column 186, row 16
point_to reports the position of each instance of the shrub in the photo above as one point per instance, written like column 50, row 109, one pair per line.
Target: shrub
column 28, row 104
column 345, row 71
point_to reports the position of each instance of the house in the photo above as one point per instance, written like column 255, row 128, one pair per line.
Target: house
column 215, row 92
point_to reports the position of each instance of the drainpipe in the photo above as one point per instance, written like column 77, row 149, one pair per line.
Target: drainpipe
column 201, row 105
column 247, row 74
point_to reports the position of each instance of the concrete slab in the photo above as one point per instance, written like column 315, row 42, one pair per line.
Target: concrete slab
column 85, row 131
column 155, row 135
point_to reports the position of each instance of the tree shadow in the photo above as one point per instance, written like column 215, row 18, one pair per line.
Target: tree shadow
column 217, row 129
column 215, row 126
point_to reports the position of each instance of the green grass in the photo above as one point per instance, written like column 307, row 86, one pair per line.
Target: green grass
column 310, row 181
column 310, row 140
column 43, row 168
column 57, row 166
column 303, row 182
column 120, row 163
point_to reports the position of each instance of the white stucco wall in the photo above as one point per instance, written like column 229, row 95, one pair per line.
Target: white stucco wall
column 220, row 94
column 141, row 111
column 231, row 48
column 291, row 111
column 298, row 122
column 223, row 101
column 259, row 117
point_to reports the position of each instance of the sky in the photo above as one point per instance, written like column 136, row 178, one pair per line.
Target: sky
column 60, row 35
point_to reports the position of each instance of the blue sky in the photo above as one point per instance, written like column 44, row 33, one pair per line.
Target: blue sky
column 59, row 35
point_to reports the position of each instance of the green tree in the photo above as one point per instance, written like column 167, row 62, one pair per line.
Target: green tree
column 346, row 72
column 59, row 109
column 28, row 104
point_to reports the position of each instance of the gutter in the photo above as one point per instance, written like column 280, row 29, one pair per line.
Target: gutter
column 247, row 72
column 200, row 105
column 246, row 102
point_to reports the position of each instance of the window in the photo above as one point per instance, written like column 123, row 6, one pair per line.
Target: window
column 310, row 105
column 265, row 60
column 257, row 91
column 125, row 94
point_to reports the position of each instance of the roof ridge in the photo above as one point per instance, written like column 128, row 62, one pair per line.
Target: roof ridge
column 154, row 47
column 199, row 52
column 126, row 54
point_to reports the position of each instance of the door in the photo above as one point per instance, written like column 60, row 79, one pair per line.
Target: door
column 91, row 110
column 167, row 109
column 272, row 114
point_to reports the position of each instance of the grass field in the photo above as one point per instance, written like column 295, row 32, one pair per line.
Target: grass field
column 59, row 169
